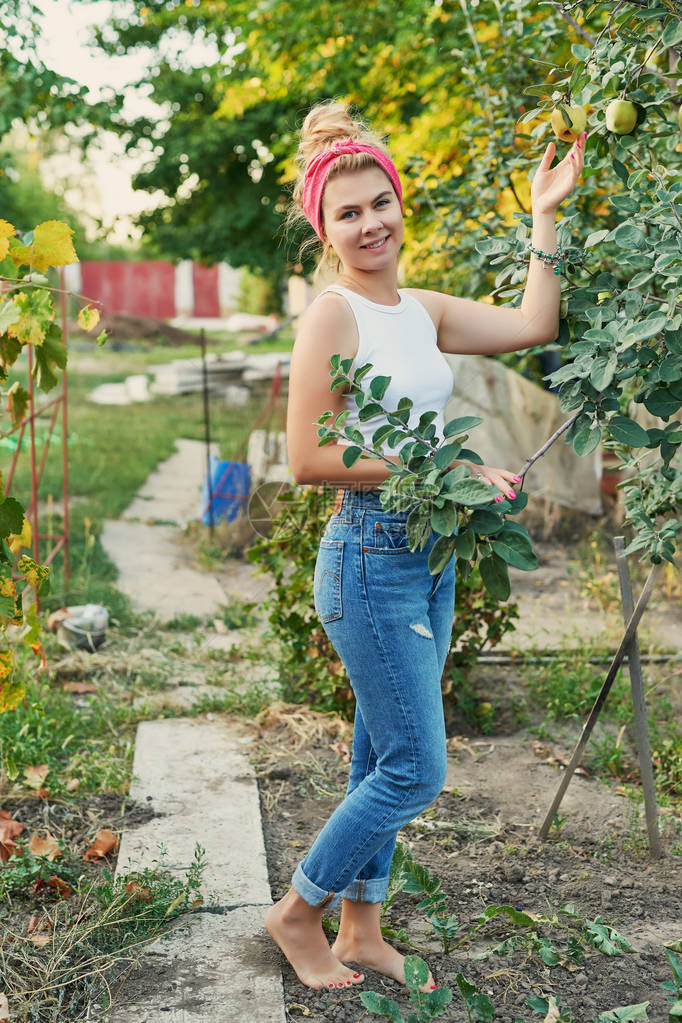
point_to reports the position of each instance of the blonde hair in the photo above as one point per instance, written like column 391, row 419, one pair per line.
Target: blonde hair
column 326, row 123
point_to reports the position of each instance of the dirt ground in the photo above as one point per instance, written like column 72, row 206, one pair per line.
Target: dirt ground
column 480, row 838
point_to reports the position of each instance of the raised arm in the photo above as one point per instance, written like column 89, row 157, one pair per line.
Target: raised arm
column 468, row 327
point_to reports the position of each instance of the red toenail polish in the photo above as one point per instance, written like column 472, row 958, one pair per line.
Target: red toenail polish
column 340, row 984
column 357, row 974
column 349, row 982
column 434, row 987
column 331, row 985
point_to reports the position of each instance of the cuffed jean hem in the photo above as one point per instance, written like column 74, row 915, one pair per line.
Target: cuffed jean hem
column 310, row 893
column 372, row 890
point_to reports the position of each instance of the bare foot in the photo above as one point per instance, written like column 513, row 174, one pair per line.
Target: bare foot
column 376, row 954
column 297, row 928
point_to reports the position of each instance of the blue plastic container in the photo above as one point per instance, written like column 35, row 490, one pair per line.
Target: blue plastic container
column 230, row 489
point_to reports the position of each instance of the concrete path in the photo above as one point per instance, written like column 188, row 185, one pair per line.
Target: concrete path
column 217, row 965
column 154, row 567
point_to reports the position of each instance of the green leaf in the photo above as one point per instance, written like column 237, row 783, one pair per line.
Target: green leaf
column 515, row 550
column 369, row 411
column 446, row 454
column 462, row 425
column 495, row 577
column 603, row 369
column 416, row 971
column 378, row 387
column 382, row 1006
column 624, row 1014
column 465, row 544
column 470, row 492
column 675, row 1012
column 440, row 553
column 662, row 402
column 11, row 517
column 484, row 522
column 595, row 238
column 516, row 916
column 351, row 455
column 672, row 34
column 627, row 431
column 444, row 520
column 646, row 328
column 380, row 435
column 586, row 440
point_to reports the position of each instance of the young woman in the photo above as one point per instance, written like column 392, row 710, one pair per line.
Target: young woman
column 389, row 620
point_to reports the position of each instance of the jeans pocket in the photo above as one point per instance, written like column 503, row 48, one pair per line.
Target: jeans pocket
column 389, row 538
column 327, row 580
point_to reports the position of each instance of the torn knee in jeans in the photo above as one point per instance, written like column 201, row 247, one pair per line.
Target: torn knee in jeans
column 421, row 630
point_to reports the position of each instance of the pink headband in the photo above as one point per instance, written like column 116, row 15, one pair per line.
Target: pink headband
column 317, row 172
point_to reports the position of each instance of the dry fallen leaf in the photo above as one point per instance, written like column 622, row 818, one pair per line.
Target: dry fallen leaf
column 40, row 940
column 47, row 846
column 60, row 887
column 4, row 1008
column 35, row 775
column 79, row 687
column 72, row 784
column 9, row 829
column 139, row 893
column 105, row 842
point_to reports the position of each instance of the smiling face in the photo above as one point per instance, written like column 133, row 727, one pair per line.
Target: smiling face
column 362, row 219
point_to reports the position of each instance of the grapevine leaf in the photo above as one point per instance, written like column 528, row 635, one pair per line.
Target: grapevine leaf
column 51, row 246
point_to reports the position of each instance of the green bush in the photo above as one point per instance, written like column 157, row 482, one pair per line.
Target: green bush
column 309, row 668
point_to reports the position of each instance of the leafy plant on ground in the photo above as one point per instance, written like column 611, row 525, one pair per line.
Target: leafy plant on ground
column 428, row 1004
column 91, row 937
column 418, row 881
column 674, row 986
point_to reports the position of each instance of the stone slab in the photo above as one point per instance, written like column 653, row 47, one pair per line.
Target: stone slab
column 152, row 573
column 196, row 774
column 210, row 969
column 172, row 492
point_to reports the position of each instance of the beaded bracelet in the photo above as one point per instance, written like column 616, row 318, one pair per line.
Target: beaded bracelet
column 549, row 259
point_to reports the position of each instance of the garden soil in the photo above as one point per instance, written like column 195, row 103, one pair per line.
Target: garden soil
column 480, row 838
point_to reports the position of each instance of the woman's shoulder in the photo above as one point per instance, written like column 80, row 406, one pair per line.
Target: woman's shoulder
column 329, row 318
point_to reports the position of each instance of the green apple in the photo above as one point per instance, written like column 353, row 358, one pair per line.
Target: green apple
column 578, row 117
column 621, row 116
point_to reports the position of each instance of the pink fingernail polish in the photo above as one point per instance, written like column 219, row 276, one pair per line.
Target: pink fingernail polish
column 498, row 499
column 517, row 479
column 511, row 494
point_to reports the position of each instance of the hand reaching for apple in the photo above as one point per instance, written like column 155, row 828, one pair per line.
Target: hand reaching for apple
column 551, row 185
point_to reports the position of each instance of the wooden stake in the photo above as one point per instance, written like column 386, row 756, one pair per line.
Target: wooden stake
column 639, row 703
column 601, row 699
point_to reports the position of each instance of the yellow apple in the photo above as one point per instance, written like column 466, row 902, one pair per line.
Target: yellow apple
column 621, row 116
column 658, row 60
column 578, row 117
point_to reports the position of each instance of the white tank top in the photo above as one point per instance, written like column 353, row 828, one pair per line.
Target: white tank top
column 401, row 342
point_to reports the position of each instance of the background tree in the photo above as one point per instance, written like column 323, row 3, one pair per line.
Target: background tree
column 452, row 84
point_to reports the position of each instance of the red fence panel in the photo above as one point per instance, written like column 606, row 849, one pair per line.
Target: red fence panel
column 205, row 280
column 140, row 289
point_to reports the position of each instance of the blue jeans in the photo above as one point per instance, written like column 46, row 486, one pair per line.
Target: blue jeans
column 390, row 622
